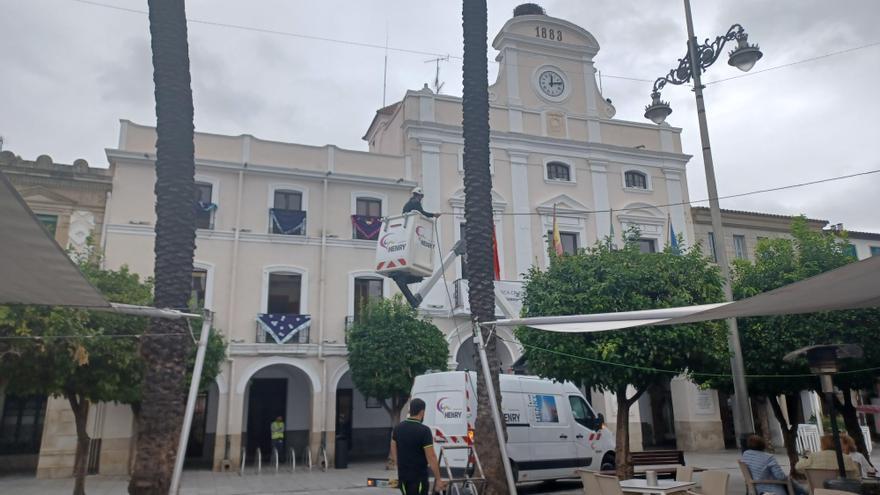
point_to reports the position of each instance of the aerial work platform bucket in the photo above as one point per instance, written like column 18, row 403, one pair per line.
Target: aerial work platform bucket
column 406, row 246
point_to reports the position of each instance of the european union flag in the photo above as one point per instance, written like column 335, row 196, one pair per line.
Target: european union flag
column 283, row 326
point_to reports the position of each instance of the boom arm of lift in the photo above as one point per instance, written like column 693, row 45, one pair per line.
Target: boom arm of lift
column 415, row 300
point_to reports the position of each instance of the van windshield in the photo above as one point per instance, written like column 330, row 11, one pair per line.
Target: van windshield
column 582, row 412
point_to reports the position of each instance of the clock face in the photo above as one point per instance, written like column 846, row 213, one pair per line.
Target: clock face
column 551, row 83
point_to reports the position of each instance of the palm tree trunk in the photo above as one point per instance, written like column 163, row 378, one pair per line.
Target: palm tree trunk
column 479, row 224
column 165, row 344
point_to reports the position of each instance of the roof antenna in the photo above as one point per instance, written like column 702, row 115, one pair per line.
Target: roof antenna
column 438, row 86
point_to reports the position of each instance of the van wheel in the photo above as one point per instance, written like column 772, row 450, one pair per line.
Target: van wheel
column 608, row 463
column 515, row 469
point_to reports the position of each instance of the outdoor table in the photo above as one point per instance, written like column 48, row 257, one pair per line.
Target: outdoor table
column 663, row 486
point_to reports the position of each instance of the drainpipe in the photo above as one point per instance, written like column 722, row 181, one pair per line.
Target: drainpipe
column 322, row 283
column 104, row 228
column 233, row 275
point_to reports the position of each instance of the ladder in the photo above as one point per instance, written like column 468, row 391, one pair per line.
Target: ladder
column 472, row 480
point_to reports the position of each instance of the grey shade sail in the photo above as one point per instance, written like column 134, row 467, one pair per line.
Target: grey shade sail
column 33, row 267
column 854, row 286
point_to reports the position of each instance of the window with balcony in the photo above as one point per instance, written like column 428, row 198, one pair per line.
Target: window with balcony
column 205, row 206
column 198, row 289
column 285, row 290
column 463, row 258
column 286, row 214
column 712, row 253
column 366, row 289
column 635, row 180
column 367, row 220
column 647, row 245
column 569, row 241
column 558, row 171
column 50, row 222
column 739, row 247
column 283, row 320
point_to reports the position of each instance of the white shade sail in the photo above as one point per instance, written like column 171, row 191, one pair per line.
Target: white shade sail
column 33, row 267
column 854, row 286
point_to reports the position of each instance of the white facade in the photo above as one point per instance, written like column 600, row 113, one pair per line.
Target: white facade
column 563, row 149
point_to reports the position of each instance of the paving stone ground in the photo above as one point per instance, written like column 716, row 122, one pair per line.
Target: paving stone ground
column 349, row 481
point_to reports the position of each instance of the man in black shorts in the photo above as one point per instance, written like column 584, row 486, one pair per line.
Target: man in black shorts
column 412, row 447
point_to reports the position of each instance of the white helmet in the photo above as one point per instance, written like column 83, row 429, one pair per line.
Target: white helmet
column 418, row 190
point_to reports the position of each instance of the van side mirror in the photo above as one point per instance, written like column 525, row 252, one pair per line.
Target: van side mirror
column 600, row 421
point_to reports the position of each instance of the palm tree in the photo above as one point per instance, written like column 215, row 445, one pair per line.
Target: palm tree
column 478, row 222
column 164, row 354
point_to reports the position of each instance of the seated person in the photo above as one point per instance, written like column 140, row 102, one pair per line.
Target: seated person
column 849, row 448
column 827, row 459
column 763, row 466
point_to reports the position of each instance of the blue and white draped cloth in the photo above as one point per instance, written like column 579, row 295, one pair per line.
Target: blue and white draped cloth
column 291, row 222
column 283, row 326
column 367, row 226
column 205, row 206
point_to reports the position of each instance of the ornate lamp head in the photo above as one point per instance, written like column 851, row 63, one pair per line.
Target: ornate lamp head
column 744, row 56
column 658, row 110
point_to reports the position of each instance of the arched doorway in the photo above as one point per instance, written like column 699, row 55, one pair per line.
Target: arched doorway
column 277, row 390
column 363, row 423
column 467, row 360
column 200, row 447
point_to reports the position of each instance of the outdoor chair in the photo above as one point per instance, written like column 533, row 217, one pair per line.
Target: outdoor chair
column 712, row 483
column 684, row 473
column 591, row 484
column 750, row 482
column 608, row 485
column 816, row 477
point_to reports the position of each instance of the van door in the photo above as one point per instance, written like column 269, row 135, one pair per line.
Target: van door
column 551, row 447
column 589, row 451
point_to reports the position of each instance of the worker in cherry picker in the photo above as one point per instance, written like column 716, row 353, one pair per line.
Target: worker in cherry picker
column 415, row 204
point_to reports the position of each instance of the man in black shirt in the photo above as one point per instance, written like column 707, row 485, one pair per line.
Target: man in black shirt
column 415, row 204
column 412, row 447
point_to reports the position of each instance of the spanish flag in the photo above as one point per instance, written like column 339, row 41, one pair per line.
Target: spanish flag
column 557, row 239
column 496, row 263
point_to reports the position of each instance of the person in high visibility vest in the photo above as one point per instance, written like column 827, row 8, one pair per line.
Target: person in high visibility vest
column 277, row 429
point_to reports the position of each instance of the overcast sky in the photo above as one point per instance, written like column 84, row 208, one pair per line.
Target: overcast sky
column 71, row 70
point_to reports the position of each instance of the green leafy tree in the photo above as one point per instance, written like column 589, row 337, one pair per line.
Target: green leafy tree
column 602, row 280
column 388, row 346
column 766, row 340
column 85, row 356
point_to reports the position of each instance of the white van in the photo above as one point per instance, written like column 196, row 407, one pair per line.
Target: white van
column 551, row 428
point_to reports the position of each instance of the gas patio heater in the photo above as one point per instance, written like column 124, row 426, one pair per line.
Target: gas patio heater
column 824, row 360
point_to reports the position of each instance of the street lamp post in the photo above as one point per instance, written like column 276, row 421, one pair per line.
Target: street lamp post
column 699, row 58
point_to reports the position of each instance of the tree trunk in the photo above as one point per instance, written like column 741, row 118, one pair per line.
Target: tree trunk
column 851, row 421
column 165, row 344
column 762, row 420
column 789, row 434
column 622, row 459
column 80, row 407
column 621, row 435
column 479, row 225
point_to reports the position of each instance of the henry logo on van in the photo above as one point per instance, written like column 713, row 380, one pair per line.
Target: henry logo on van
column 449, row 409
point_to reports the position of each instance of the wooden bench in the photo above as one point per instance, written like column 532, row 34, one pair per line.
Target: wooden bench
column 662, row 461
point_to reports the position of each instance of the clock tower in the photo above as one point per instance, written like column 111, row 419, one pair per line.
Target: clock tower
column 546, row 65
